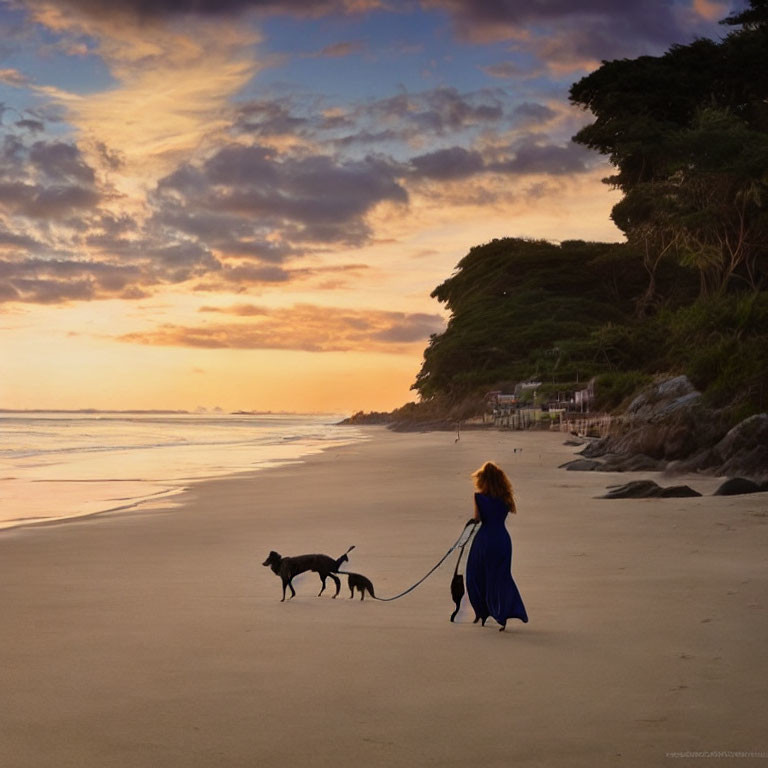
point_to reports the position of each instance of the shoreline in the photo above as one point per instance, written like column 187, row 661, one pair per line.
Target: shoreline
column 145, row 638
column 33, row 492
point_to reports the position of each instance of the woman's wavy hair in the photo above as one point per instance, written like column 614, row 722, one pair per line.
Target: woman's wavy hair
column 491, row 481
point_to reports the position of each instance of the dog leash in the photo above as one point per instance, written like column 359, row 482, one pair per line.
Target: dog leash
column 464, row 544
column 457, row 543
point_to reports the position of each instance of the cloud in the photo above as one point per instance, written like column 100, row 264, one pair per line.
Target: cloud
column 159, row 9
column 52, row 281
column 529, row 155
column 17, row 240
column 241, row 310
column 60, row 161
column 240, row 277
column 305, row 327
column 405, row 117
column 33, row 126
column 533, row 157
column 340, row 50
column 509, row 69
column 54, row 202
column 532, row 113
column 441, row 110
column 263, row 197
column 452, row 163
column 172, row 85
column 577, row 34
column 225, row 195
column 14, row 78
column 47, row 181
column 263, row 117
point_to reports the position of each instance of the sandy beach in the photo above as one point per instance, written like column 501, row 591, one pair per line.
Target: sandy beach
column 154, row 638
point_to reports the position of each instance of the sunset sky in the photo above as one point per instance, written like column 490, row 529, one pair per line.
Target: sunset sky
column 246, row 204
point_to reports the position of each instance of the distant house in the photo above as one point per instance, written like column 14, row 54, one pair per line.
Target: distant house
column 583, row 398
column 528, row 385
column 497, row 399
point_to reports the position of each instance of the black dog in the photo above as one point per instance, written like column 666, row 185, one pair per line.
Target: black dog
column 457, row 591
column 288, row 567
column 358, row 581
column 457, row 582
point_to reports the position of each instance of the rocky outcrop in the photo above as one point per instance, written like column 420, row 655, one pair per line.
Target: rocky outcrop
column 735, row 486
column 668, row 424
column 638, row 463
column 614, row 463
column 665, row 422
column 647, row 489
column 742, row 452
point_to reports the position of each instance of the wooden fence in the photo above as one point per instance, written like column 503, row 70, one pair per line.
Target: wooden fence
column 594, row 426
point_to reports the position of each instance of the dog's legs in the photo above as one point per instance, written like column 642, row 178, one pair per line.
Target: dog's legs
column 362, row 593
column 351, row 592
column 293, row 591
column 338, row 585
column 322, row 578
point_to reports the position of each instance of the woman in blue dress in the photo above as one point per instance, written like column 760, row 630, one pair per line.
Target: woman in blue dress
column 490, row 587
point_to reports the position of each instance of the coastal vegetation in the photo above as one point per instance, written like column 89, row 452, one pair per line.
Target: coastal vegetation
column 687, row 293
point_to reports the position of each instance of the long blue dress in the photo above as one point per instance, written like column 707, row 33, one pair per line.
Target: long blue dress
column 490, row 587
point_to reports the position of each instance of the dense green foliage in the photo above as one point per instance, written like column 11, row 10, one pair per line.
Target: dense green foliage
column 687, row 293
column 531, row 308
column 688, row 135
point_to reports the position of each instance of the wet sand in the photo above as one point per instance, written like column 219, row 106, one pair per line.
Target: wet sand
column 153, row 638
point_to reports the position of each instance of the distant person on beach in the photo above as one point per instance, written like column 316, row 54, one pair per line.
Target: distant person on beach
column 490, row 587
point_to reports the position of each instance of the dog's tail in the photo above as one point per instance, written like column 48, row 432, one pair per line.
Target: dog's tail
column 343, row 558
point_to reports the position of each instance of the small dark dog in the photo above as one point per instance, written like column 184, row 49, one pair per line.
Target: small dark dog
column 358, row 581
column 457, row 592
column 288, row 567
column 457, row 582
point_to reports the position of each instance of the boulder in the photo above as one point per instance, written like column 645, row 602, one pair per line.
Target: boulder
column 662, row 399
column 596, row 448
column 744, row 450
column 678, row 492
column 667, row 424
column 637, row 489
column 736, row 486
column 648, row 489
column 638, row 463
column 580, row 465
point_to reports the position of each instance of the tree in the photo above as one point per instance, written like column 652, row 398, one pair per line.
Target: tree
column 688, row 135
column 512, row 301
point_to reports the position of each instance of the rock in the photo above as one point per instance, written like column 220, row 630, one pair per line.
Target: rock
column 637, row 489
column 595, row 449
column 660, row 440
column 638, row 463
column 743, row 452
column 678, row 492
column 647, row 489
column 662, row 399
column 736, row 486
column 581, row 465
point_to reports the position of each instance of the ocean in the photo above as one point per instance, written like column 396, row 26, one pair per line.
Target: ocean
column 62, row 465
